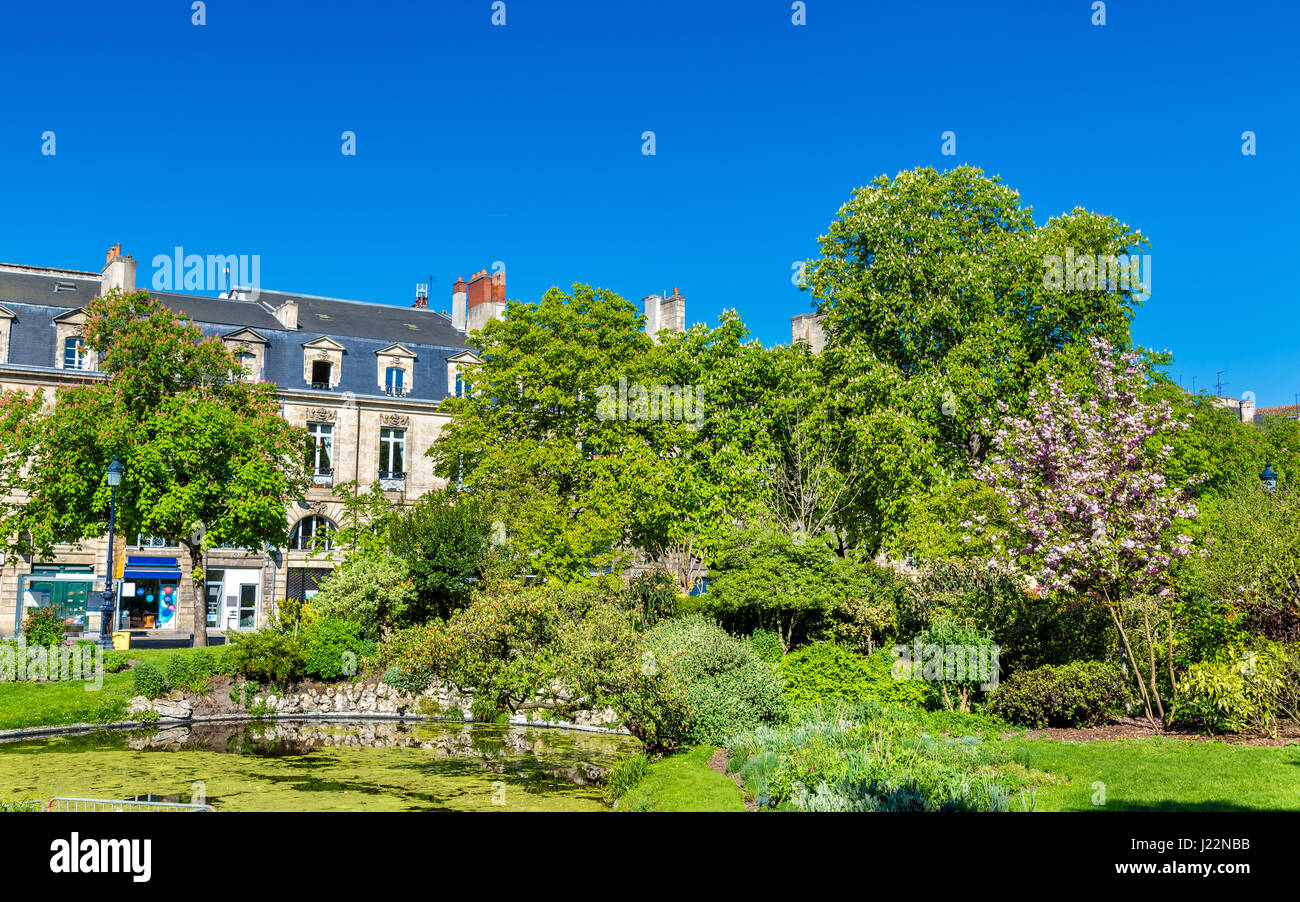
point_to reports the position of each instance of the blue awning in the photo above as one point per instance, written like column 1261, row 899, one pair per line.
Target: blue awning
column 151, row 568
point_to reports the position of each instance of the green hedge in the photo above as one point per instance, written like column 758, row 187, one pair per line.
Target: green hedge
column 827, row 672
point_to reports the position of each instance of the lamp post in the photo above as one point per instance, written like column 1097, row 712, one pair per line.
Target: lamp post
column 1268, row 477
column 108, row 606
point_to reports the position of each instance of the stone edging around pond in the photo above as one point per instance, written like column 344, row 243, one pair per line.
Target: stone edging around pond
column 343, row 702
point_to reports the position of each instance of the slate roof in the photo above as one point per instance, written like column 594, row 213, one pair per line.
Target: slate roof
column 362, row 328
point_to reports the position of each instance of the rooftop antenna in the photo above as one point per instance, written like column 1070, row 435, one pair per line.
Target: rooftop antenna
column 1219, row 383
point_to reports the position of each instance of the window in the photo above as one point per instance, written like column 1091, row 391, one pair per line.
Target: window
column 321, row 457
column 462, row 385
column 392, row 453
column 144, row 541
column 248, row 363
column 74, row 353
column 394, row 381
column 320, row 373
column 311, row 534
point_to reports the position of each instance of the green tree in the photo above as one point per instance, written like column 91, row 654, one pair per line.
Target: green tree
column 208, row 459
column 939, row 302
column 444, row 541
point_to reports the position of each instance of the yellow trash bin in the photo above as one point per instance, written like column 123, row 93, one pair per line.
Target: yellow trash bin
column 121, row 641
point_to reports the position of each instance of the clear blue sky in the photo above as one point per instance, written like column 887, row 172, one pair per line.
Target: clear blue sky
column 522, row 144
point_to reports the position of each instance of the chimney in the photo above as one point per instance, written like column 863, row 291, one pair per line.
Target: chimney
column 651, row 302
column 1247, row 410
column 119, row 271
column 672, row 312
column 421, row 297
column 287, row 314
column 807, row 327
column 485, row 298
column 459, row 304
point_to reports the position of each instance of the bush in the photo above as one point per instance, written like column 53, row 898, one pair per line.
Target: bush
column 116, row 661
column 376, row 592
column 193, row 671
column 1081, row 694
column 43, row 626
column 148, row 680
column 767, row 645
column 331, row 648
column 720, row 684
column 826, row 672
column 411, row 682
column 1241, row 690
column 266, row 656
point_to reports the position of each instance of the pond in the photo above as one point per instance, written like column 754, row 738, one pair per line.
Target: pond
column 323, row 766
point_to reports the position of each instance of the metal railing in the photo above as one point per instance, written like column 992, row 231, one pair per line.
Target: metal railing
column 69, row 803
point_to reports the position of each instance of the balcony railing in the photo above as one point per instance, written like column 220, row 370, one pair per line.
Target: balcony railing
column 321, row 386
column 392, row 482
column 397, row 391
column 323, row 477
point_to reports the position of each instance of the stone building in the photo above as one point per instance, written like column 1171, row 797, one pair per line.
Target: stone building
column 807, row 327
column 365, row 379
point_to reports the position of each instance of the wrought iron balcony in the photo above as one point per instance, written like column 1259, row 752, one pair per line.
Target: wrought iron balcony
column 323, row 477
column 392, row 482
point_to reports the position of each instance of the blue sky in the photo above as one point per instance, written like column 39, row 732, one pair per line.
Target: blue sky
column 522, row 144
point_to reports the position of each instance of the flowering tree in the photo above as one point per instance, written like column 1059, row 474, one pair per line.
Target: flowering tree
column 1089, row 508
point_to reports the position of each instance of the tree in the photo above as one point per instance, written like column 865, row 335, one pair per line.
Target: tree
column 208, row 459
column 444, row 541
column 1089, row 507
column 771, row 580
column 939, row 301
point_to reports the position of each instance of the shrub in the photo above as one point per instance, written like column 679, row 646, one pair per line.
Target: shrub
column 651, row 596
column 43, row 626
column 148, row 680
column 411, row 682
column 767, row 645
column 116, row 661
column 826, row 672
column 1080, row 694
column 376, row 592
column 266, row 656
column 720, row 684
column 1241, row 690
column 193, row 671
column 331, row 648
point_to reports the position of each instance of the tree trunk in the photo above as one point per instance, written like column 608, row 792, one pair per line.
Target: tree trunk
column 200, row 582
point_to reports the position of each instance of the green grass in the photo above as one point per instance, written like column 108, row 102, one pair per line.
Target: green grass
column 684, row 782
column 25, row 704
column 1162, row 774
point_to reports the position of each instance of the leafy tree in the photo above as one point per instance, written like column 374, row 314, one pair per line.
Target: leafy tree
column 938, row 303
column 375, row 591
column 208, row 459
column 771, row 580
column 443, row 540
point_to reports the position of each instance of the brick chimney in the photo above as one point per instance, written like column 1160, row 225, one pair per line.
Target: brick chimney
column 485, row 298
column 118, row 272
column 807, row 327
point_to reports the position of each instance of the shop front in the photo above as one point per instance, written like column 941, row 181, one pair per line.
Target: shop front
column 241, row 590
column 66, row 587
column 150, row 594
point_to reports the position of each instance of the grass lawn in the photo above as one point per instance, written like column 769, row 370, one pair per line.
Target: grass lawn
column 1162, row 774
column 25, row 704
column 684, row 782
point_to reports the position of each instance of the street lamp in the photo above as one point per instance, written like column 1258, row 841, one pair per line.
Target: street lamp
column 108, row 606
column 1268, row 477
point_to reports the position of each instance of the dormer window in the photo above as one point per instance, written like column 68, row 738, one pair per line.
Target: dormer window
column 321, row 373
column 248, row 363
column 74, row 353
column 394, row 381
column 462, row 385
